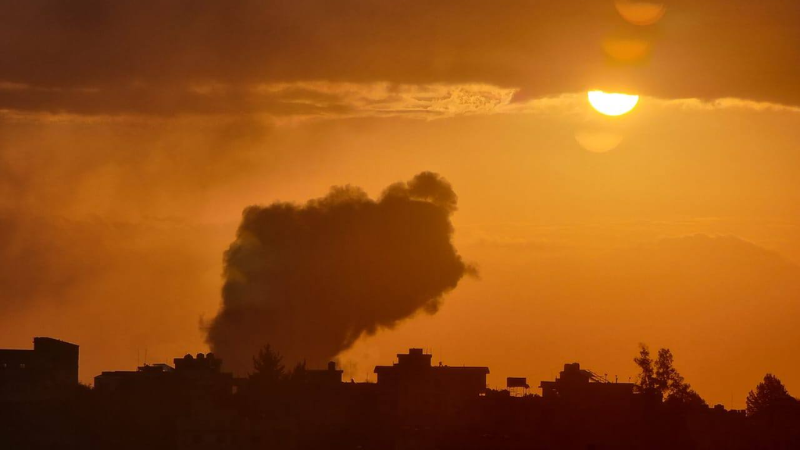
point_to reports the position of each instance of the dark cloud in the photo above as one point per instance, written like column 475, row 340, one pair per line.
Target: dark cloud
column 148, row 56
column 309, row 280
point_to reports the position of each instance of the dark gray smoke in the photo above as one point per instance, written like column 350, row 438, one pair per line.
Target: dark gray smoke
column 311, row 279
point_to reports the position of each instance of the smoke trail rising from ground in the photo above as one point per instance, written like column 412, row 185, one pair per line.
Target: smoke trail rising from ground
column 311, row 279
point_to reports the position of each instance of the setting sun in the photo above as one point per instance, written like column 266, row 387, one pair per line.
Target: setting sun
column 612, row 104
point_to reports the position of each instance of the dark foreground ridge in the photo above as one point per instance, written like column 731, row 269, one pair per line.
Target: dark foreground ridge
column 194, row 404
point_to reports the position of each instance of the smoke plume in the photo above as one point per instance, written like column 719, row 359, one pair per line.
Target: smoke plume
column 311, row 279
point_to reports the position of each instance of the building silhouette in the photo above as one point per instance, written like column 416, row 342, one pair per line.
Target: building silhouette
column 192, row 377
column 330, row 376
column 50, row 367
column 413, row 386
column 194, row 404
column 583, row 386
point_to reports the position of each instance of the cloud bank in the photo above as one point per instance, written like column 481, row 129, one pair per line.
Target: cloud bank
column 155, row 58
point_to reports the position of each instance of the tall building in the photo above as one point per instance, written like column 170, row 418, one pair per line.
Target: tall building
column 50, row 366
column 414, row 386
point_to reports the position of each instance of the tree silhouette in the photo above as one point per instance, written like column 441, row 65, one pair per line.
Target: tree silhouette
column 683, row 394
column 268, row 368
column 647, row 379
column 662, row 378
column 298, row 374
column 666, row 376
column 769, row 395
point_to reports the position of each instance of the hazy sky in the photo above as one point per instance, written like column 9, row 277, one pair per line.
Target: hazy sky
column 134, row 133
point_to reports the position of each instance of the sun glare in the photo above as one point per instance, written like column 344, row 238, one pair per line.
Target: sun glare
column 612, row 104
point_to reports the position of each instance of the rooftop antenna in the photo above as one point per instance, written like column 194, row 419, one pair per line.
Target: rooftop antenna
column 145, row 356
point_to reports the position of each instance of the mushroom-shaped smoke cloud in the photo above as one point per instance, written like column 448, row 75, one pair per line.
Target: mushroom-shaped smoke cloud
column 310, row 280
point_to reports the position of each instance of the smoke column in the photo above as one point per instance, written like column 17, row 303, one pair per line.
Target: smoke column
column 311, row 279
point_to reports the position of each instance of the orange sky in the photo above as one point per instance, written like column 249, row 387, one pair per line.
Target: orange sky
column 131, row 138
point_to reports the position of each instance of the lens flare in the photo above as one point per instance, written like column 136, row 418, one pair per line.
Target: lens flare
column 612, row 104
column 628, row 51
column 640, row 13
column 598, row 141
